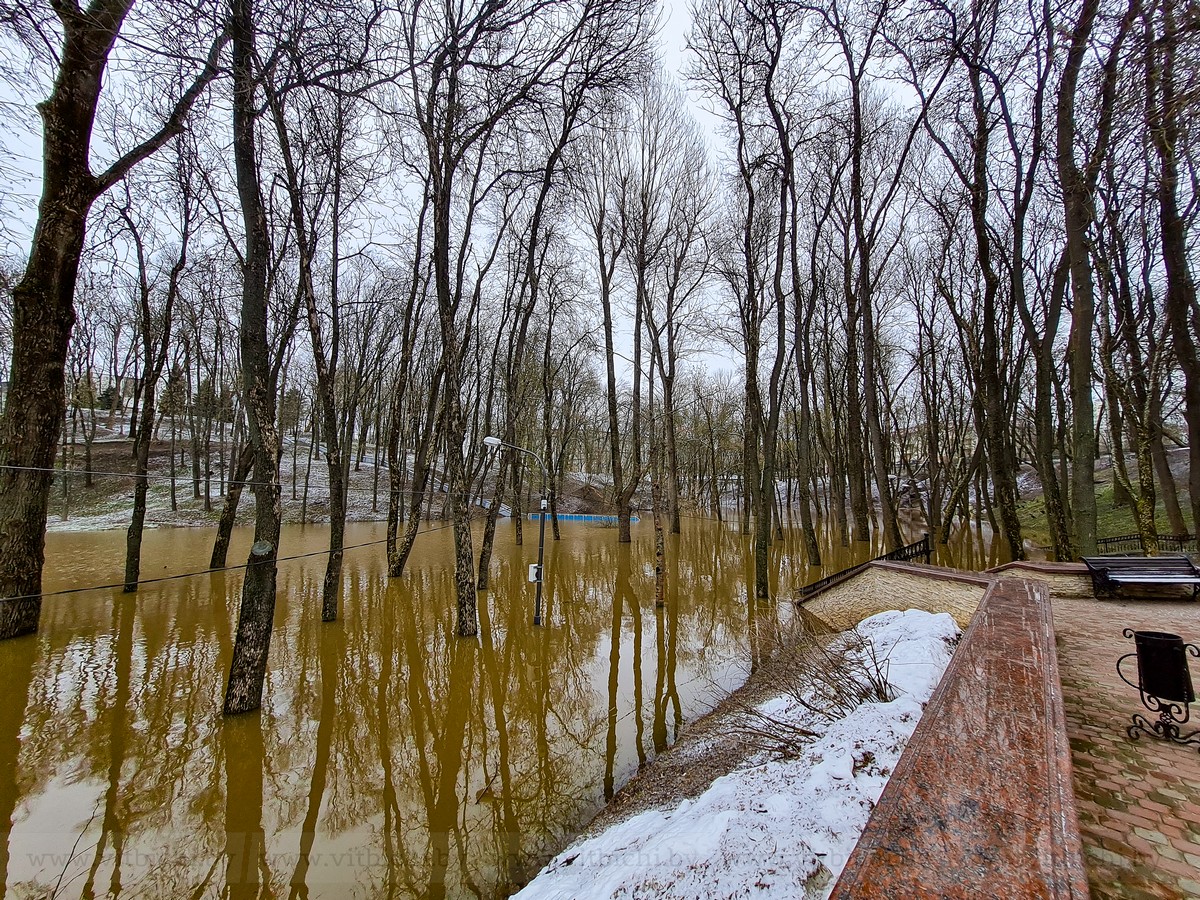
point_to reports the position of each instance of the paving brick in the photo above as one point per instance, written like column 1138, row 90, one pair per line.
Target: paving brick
column 1141, row 791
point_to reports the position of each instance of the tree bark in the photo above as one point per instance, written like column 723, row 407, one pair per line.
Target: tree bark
column 43, row 301
column 1078, row 190
column 241, row 473
column 1183, row 311
column 253, row 642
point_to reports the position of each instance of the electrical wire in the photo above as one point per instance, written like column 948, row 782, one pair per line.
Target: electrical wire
column 185, row 478
column 234, row 568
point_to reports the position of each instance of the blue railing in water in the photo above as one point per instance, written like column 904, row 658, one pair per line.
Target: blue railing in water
column 580, row 517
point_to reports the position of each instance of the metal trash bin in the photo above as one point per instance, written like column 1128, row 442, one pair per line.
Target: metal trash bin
column 1164, row 684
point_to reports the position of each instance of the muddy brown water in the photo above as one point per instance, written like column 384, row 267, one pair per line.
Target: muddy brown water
column 390, row 759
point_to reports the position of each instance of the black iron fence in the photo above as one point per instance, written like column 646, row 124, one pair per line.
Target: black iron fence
column 1132, row 543
column 907, row 553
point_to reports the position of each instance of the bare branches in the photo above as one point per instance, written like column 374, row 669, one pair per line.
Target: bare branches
column 820, row 678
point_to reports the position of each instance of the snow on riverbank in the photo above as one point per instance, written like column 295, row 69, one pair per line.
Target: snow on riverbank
column 782, row 828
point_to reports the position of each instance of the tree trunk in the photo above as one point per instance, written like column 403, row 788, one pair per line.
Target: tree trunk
column 241, row 473
column 395, row 479
column 43, row 315
column 253, row 642
column 672, row 474
column 43, row 300
column 1078, row 191
column 1183, row 311
column 621, row 491
column 453, row 421
column 1162, row 469
column 133, row 539
column 856, row 466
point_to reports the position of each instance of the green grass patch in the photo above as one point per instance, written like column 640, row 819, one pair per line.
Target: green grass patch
column 1111, row 519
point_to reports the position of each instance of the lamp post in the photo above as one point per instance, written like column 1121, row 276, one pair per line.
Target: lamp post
column 494, row 444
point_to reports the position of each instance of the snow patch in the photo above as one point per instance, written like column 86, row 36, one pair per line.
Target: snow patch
column 783, row 828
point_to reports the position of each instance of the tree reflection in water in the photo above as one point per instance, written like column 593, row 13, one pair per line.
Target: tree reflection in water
column 391, row 759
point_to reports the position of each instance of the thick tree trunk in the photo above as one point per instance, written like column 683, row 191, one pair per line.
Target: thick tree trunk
column 1078, row 191
column 1083, row 430
column 43, row 315
column 248, row 669
column 43, row 301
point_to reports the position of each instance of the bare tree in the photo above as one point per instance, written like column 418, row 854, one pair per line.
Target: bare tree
column 156, row 317
column 43, row 300
column 260, row 379
column 1078, row 181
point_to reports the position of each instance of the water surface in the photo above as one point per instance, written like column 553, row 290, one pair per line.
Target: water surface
column 391, row 759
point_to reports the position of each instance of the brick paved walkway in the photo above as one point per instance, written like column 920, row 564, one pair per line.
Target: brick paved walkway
column 1138, row 801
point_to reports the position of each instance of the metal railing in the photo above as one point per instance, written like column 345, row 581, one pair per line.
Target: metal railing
column 907, row 553
column 1132, row 543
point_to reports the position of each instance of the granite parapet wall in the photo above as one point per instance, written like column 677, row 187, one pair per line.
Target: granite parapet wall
column 981, row 802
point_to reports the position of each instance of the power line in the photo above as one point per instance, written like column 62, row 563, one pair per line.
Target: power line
column 185, row 478
column 245, row 565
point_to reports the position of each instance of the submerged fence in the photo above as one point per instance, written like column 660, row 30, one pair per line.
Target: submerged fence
column 580, row 517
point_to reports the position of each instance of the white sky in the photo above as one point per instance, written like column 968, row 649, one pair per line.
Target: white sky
column 20, row 155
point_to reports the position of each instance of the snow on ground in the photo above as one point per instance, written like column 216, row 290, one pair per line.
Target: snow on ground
column 110, row 504
column 782, row 828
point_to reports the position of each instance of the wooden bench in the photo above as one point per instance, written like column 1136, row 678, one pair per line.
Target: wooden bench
column 1111, row 573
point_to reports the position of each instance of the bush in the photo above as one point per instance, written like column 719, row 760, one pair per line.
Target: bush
column 821, row 678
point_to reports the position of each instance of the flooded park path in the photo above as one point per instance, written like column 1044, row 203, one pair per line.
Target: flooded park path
column 390, row 758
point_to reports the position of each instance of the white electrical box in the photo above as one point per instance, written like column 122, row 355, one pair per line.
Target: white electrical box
column 534, row 574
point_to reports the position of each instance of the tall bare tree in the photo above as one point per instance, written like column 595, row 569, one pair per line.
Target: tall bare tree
column 44, row 298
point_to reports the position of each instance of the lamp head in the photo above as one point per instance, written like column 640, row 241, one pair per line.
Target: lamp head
column 492, row 442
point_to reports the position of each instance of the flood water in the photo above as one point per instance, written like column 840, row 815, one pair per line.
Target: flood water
column 391, row 759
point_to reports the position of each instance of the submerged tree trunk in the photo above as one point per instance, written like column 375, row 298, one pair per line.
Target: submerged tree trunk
column 133, row 538
column 241, row 473
column 155, row 356
column 43, row 300
column 253, row 642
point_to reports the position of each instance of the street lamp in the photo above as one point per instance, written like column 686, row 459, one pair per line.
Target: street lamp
column 494, row 444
